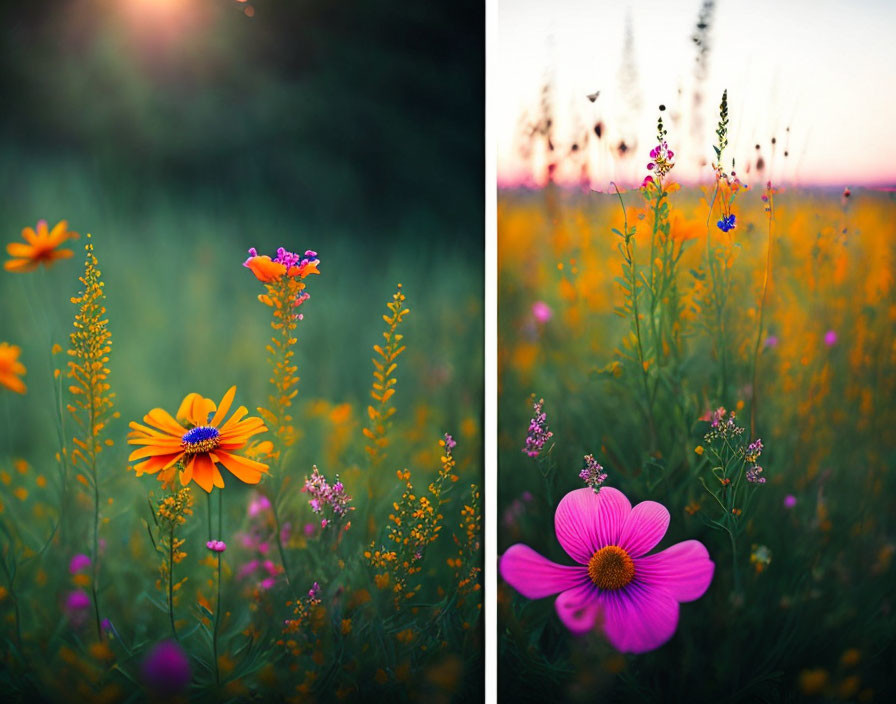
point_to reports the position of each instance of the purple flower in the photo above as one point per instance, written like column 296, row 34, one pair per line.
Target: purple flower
column 77, row 601
column 830, row 338
column 216, row 545
column 754, row 449
column 633, row 595
column 78, row 563
column 753, row 475
column 541, row 311
column 789, row 501
column 538, row 430
column 166, row 669
column 593, row 474
column 329, row 496
column 771, row 341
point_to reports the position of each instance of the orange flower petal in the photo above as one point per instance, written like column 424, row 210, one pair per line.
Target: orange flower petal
column 223, row 407
column 246, row 470
column 20, row 265
column 154, row 464
column 264, row 269
column 196, row 409
column 161, row 420
column 19, row 249
column 203, row 471
column 234, row 419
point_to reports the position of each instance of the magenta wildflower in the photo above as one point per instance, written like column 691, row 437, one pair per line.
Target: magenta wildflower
column 76, row 602
column 789, row 501
column 216, row 545
column 166, row 669
column 633, row 595
column 771, row 341
column 661, row 159
column 538, row 430
column 78, row 563
column 542, row 312
column 450, row 442
column 830, row 338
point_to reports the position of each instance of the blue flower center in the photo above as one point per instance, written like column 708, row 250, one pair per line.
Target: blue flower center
column 202, row 438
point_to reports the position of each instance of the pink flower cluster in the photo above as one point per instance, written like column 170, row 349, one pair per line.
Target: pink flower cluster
column 268, row 568
column 326, row 497
column 538, row 430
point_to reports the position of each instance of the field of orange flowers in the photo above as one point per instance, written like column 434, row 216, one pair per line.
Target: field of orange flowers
column 727, row 352
column 229, row 476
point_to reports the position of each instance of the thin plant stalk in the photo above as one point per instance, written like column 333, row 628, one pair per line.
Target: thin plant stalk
column 754, row 402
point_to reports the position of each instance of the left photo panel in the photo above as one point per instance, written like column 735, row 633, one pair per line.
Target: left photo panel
column 241, row 351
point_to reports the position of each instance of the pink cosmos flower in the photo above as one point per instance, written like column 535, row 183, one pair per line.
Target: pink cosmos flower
column 634, row 595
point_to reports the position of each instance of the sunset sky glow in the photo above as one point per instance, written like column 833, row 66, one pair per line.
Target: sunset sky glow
column 824, row 69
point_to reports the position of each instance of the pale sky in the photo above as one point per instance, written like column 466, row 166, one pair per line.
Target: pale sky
column 826, row 69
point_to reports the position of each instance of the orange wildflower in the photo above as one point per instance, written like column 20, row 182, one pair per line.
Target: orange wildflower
column 11, row 368
column 41, row 247
column 198, row 443
column 268, row 270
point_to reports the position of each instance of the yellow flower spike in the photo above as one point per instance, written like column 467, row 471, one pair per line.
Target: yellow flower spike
column 383, row 387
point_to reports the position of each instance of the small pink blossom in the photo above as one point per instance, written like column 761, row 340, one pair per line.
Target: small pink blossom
column 542, row 312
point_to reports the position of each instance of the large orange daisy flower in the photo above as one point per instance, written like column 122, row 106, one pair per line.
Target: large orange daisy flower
column 11, row 368
column 41, row 247
column 196, row 443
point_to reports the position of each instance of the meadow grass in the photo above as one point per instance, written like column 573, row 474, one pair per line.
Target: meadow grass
column 800, row 606
column 184, row 317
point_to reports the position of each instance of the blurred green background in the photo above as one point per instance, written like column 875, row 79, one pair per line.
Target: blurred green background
column 182, row 132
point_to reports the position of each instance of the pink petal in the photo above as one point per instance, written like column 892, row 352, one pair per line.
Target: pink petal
column 644, row 528
column 684, row 569
column 535, row 576
column 579, row 608
column 639, row 617
column 585, row 522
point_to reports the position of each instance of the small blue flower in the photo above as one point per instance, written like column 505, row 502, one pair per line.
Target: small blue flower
column 726, row 223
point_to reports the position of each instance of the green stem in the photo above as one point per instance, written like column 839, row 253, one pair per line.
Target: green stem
column 218, row 600
column 768, row 267
column 635, row 315
column 280, row 548
column 171, row 580
column 15, row 600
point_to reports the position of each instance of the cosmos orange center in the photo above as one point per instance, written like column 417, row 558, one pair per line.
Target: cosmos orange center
column 202, row 438
column 611, row 568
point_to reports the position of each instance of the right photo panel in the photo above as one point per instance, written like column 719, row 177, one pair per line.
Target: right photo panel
column 696, row 244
